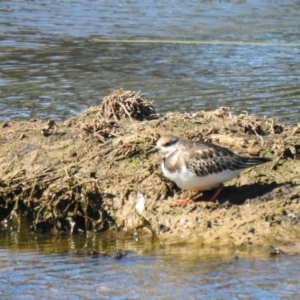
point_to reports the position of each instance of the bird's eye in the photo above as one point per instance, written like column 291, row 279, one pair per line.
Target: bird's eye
column 171, row 142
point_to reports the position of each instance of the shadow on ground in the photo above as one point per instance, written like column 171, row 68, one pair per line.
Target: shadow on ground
column 251, row 193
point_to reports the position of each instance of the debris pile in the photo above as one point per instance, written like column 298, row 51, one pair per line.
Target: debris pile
column 127, row 105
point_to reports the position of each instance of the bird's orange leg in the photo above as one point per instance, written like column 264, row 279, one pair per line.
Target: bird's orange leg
column 214, row 197
column 184, row 202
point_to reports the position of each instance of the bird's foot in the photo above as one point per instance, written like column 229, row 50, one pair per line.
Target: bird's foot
column 205, row 203
column 213, row 199
column 181, row 202
column 184, row 202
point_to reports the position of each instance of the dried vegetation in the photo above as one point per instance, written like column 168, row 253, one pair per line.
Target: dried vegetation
column 84, row 174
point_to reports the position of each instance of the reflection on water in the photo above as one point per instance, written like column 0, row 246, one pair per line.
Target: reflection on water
column 55, row 63
column 37, row 266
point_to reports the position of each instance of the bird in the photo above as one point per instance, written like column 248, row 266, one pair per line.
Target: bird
column 200, row 166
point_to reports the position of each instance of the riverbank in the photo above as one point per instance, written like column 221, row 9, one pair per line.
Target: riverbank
column 84, row 174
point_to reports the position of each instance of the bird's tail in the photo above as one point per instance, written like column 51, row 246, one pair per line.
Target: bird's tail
column 255, row 161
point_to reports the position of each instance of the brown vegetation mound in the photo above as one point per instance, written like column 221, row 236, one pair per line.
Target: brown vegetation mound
column 84, row 174
column 127, row 105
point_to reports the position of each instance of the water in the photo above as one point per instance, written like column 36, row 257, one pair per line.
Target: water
column 37, row 266
column 58, row 58
column 34, row 276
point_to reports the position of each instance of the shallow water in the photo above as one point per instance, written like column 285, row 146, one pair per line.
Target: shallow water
column 35, row 266
column 58, row 58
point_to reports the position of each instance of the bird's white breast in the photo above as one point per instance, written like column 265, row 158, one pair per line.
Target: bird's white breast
column 190, row 181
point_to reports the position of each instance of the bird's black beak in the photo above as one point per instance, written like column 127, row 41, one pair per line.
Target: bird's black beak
column 152, row 150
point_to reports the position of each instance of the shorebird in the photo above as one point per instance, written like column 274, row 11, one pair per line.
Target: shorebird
column 200, row 166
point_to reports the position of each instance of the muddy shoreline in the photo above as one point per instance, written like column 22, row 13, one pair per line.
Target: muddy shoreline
column 84, row 174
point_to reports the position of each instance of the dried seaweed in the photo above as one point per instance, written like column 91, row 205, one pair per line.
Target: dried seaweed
column 127, row 105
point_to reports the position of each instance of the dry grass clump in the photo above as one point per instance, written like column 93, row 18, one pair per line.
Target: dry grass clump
column 105, row 121
column 127, row 105
column 102, row 129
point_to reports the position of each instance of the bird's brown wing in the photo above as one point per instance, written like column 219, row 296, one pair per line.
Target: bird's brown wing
column 204, row 158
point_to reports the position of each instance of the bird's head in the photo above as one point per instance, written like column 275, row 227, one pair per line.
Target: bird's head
column 166, row 145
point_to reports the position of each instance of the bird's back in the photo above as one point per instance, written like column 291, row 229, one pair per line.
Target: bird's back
column 205, row 158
